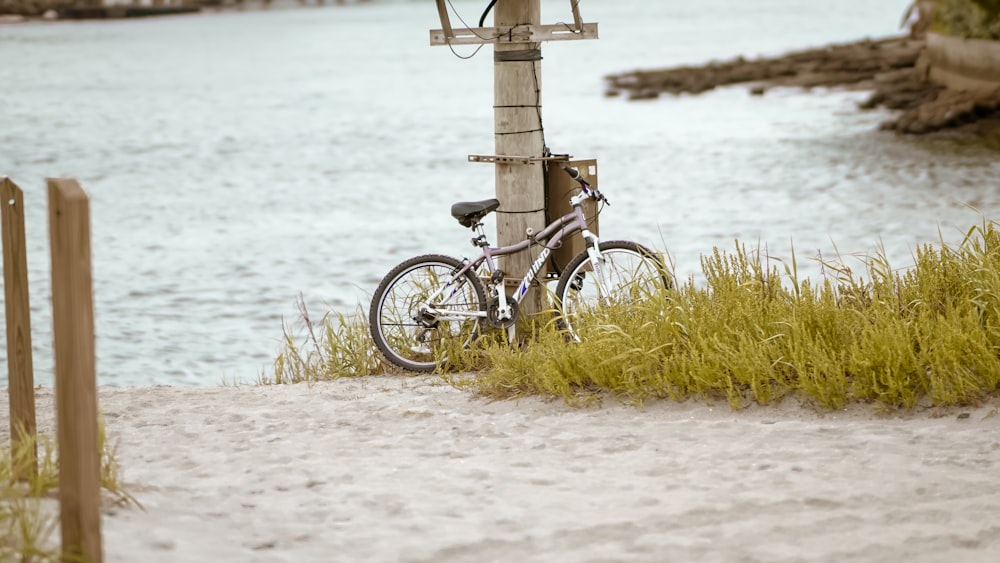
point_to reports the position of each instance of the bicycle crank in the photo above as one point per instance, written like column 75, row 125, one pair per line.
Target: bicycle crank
column 493, row 314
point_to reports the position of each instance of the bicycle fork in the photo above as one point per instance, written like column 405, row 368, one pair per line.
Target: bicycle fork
column 597, row 262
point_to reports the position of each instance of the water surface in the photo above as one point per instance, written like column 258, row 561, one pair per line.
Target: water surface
column 235, row 160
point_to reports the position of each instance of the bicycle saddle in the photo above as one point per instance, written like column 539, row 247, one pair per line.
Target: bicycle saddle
column 469, row 213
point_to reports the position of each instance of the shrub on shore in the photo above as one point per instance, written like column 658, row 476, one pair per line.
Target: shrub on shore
column 752, row 333
column 972, row 19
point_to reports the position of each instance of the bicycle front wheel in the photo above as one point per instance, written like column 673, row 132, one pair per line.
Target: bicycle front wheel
column 628, row 272
column 422, row 307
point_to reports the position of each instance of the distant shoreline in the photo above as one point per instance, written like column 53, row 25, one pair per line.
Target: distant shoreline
column 48, row 10
column 894, row 69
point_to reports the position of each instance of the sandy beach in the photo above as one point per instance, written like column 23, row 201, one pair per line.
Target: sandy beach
column 411, row 469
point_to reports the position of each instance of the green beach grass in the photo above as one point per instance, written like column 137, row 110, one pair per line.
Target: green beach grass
column 752, row 332
column 26, row 529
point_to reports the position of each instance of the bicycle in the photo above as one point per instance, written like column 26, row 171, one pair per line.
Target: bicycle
column 431, row 301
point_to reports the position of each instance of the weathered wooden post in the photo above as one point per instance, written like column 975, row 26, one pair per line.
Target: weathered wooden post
column 20, row 377
column 76, row 380
column 519, row 136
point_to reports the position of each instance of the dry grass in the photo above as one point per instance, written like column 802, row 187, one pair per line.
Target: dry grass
column 753, row 332
column 26, row 528
column 756, row 333
column 337, row 346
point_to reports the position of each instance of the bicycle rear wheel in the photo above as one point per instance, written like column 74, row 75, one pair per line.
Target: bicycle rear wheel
column 630, row 271
column 422, row 308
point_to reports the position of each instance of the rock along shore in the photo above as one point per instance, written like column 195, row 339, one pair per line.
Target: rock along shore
column 894, row 69
column 29, row 7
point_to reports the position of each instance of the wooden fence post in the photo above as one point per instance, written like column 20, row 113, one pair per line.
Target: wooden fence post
column 75, row 370
column 20, row 377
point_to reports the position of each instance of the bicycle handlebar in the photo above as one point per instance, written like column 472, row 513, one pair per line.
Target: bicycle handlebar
column 585, row 185
column 575, row 174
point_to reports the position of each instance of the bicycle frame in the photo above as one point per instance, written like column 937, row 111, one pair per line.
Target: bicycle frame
column 567, row 225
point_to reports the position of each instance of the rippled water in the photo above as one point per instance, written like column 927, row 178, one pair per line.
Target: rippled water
column 237, row 159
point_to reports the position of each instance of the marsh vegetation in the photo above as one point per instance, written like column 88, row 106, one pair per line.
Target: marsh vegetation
column 752, row 331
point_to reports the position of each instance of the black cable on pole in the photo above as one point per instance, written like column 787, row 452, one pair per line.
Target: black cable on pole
column 486, row 12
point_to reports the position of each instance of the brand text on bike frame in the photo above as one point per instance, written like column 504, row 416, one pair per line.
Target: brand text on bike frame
column 567, row 225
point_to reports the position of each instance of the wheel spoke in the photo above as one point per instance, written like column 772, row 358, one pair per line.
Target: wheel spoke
column 629, row 273
column 410, row 330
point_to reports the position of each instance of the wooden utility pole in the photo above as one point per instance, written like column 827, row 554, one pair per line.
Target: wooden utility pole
column 517, row 123
column 519, row 136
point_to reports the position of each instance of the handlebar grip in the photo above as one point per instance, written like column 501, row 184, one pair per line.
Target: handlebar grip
column 573, row 172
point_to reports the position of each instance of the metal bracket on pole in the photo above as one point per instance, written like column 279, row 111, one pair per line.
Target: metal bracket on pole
column 506, row 159
column 517, row 34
